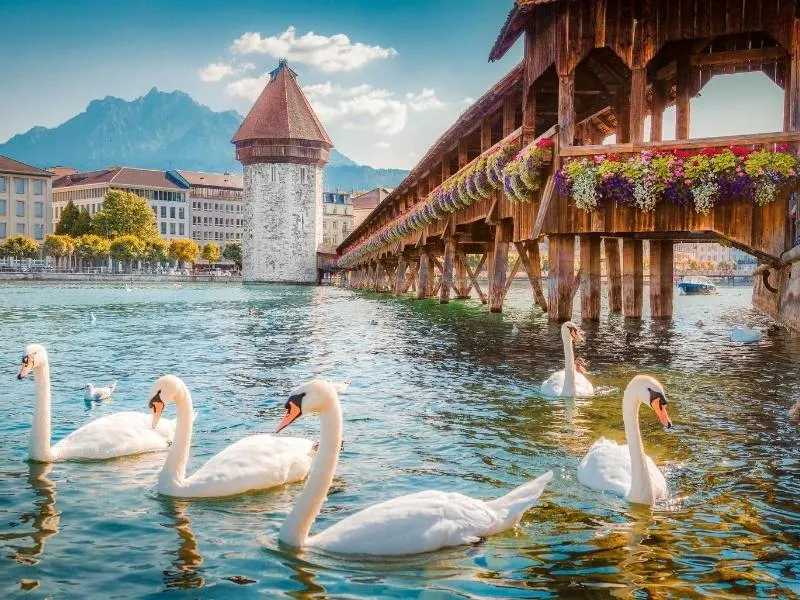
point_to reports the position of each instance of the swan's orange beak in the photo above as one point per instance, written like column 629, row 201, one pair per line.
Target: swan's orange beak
column 27, row 365
column 576, row 335
column 157, row 406
column 659, row 407
column 293, row 413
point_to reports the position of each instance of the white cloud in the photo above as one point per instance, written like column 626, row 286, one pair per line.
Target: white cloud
column 425, row 100
column 382, row 145
column 248, row 88
column 469, row 100
column 360, row 107
column 331, row 54
column 217, row 71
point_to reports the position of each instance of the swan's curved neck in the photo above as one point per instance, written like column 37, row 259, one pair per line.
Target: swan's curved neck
column 641, row 486
column 173, row 472
column 569, row 367
column 297, row 525
column 40, row 430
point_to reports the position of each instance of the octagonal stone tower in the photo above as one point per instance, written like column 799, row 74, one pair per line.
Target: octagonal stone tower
column 282, row 146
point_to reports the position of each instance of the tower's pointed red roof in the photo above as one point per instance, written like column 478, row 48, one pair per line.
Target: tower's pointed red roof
column 282, row 112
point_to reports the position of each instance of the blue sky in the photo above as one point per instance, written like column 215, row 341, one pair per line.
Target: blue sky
column 386, row 91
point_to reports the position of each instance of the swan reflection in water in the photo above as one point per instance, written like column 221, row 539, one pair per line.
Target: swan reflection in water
column 44, row 518
column 183, row 573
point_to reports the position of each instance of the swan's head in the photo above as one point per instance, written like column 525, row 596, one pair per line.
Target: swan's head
column 570, row 331
column 35, row 357
column 166, row 389
column 310, row 398
column 650, row 392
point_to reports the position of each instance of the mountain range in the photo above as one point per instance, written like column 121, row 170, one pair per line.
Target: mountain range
column 163, row 130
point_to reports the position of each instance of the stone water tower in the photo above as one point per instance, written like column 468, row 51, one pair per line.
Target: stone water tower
column 282, row 146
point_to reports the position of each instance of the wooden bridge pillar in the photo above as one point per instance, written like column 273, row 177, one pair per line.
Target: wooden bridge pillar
column 529, row 255
column 424, row 278
column 632, row 278
column 561, row 278
column 462, row 279
column 661, row 279
column 613, row 274
column 590, row 277
column 504, row 231
column 400, row 276
column 683, row 95
column 447, row 270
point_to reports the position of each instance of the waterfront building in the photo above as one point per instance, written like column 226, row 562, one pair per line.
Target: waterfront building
column 25, row 200
column 364, row 204
column 705, row 252
column 283, row 148
column 215, row 200
column 165, row 192
column 337, row 217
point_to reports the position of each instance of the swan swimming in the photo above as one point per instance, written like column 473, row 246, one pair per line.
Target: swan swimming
column 745, row 335
column 97, row 394
column 112, row 436
column 570, row 381
column 625, row 469
column 255, row 462
column 410, row 524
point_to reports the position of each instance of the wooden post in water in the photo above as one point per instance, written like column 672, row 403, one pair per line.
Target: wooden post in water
column 447, row 270
column 424, row 276
column 531, row 262
column 462, row 279
column 561, row 256
column 400, row 276
column 590, row 277
column 661, row 279
column 632, row 278
column 504, row 231
column 613, row 274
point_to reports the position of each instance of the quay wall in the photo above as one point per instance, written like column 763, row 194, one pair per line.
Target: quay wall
column 783, row 305
column 118, row 279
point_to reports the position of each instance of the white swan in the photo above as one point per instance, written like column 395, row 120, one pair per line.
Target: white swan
column 569, row 381
column 745, row 335
column 410, row 524
column 120, row 434
column 256, row 462
column 626, row 469
column 96, row 393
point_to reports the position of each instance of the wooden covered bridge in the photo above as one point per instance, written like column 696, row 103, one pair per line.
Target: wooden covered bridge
column 526, row 162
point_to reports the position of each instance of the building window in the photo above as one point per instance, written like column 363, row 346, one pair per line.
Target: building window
column 181, row 229
column 21, row 228
column 37, row 187
column 171, row 212
column 302, row 174
column 172, row 228
column 3, row 231
column 20, row 208
column 2, row 208
column 163, row 212
column 2, row 185
column 163, row 228
column 38, row 232
column 38, row 210
column 19, row 184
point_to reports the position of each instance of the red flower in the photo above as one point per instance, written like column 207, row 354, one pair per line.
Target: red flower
column 781, row 147
column 544, row 143
column 682, row 153
column 612, row 158
column 740, row 150
column 711, row 151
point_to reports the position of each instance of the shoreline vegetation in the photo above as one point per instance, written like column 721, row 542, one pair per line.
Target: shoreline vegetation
column 120, row 278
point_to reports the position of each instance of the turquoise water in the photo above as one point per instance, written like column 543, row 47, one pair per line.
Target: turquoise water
column 442, row 397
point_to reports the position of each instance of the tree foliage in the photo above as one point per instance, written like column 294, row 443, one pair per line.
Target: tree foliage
column 83, row 225
column 69, row 218
column 92, row 247
column 20, row 246
column 211, row 252
column 233, row 253
column 127, row 248
column 123, row 214
column 58, row 246
column 156, row 250
column 184, row 250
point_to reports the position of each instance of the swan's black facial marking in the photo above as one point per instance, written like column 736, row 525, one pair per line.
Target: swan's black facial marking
column 156, row 400
column 297, row 400
column 656, row 395
column 658, row 403
column 28, row 364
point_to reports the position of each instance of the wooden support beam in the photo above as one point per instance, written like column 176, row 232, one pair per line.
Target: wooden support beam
column 531, row 261
column 613, row 274
column 738, row 58
column 424, row 283
column 638, row 104
column 657, row 114
column 400, row 276
column 471, row 275
column 509, row 113
column 547, row 198
column 561, row 277
column 528, row 111
column 486, row 133
column 632, row 278
column 793, row 80
column 463, row 156
column 683, row 97
column 661, row 279
column 447, row 271
column 463, row 284
column 566, row 108
column 504, row 231
column 513, row 275
column 590, row 280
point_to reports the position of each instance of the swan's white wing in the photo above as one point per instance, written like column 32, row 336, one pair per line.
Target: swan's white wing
column 607, row 467
column 256, row 462
column 119, row 434
column 657, row 479
column 553, row 385
column 410, row 524
column 583, row 387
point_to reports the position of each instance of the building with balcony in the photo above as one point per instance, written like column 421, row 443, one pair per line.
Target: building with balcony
column 25, row 200
column 216, row 206
column 166, row 193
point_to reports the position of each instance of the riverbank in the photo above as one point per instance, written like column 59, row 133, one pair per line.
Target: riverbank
column 118, row 279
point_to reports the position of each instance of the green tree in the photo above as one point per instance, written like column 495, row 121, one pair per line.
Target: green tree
column 211, row 253
column 233, row 253
column 156, row 250
column 58, row 246
column 184, row 250
column 69, row 218
column 125, row 213
column 20, row 246
column 127, row 248
column 92, row 248
column 83, row 225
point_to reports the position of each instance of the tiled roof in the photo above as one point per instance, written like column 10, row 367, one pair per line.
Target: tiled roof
column 87, row 178
column 9, row 165
column 220, row 180
column 120, row 176
column 282, row 111
column 514, row 26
